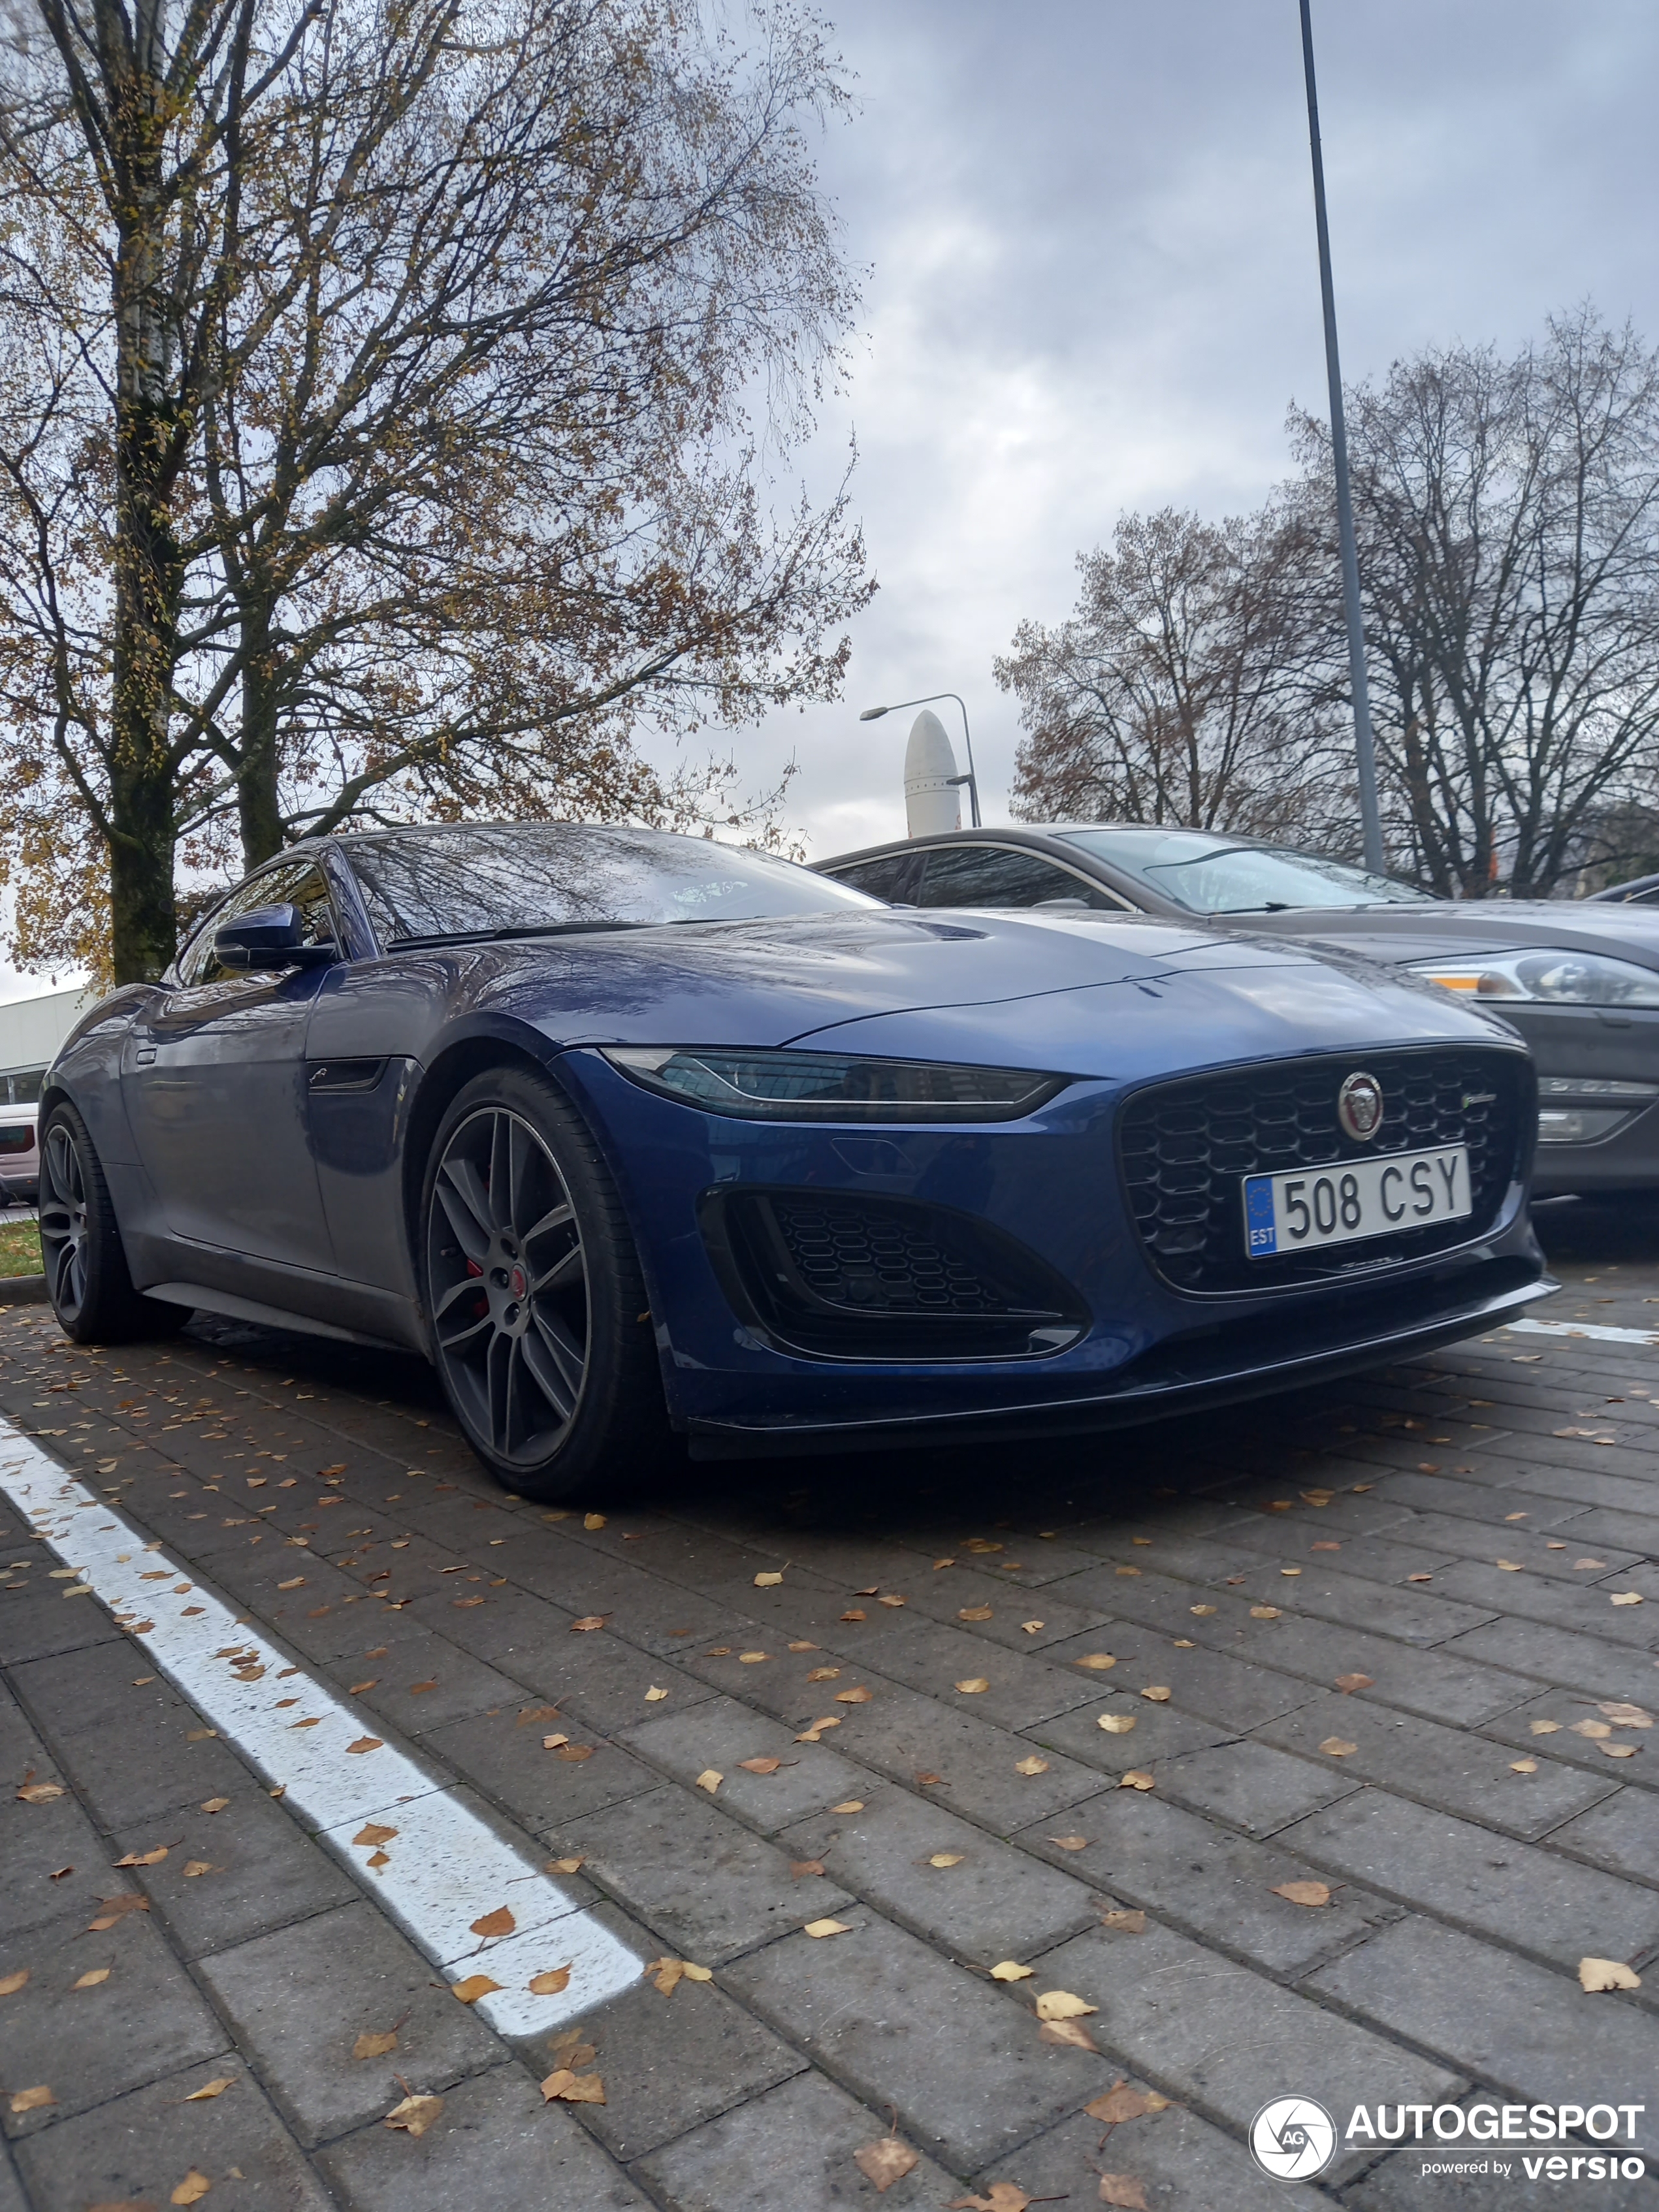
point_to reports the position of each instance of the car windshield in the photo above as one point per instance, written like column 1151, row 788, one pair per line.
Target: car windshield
column 1208, row 874
column 522, row 878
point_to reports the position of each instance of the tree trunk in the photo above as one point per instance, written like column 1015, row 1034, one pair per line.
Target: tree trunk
column 143, row 918
column 257, row 809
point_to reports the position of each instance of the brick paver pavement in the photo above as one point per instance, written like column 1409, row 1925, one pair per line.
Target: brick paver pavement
column 1364, row 1637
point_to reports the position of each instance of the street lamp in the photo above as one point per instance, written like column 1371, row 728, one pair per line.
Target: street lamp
column 1371, row 815
column 875, row 713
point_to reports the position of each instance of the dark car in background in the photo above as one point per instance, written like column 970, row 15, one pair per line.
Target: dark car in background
column 631, row 1133
column 1578, row 979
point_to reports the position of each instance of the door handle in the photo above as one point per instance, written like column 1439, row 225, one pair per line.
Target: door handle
column 144, row 1055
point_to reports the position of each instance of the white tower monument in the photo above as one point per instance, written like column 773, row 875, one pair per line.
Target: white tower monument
column 932, row 803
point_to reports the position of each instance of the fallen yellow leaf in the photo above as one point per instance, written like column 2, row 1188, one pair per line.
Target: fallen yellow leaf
column 1264, row 1612
column 593, row 1521
column 853, row 1697
column 1009, row 1971
column 414, row 2115
column 1071, row 1843
column 654, row 1696
column 192, row 2189
column 849, row 1805
column 663, row 1975
column 32, row 2101
column 824, row 1673
column 1625, row 1597
column 1524, row 1766
column 498, row 1922
column 1096, row 1661
column 1593, row 1974
column 768, row 1582
column 1119, row 2103
column 1128, row 1923
column 1303, row 1892
column 375, row 2043
column 551, row 1983
column 1060, row 2004
column 1116, row 1723
column 828, row 1928
column 1031, row 1765
column 972, row 1686
column 883, row 2163
column 1335, row 1747
column 474, row 1987
column 1123, row 2190
column 975, row 1612
column 1134, row 1777
column 1159, row 1695
column 214, row 2088
column 945, row 1859
column 10, row 1983
column 710, row 1779
column 1546, row 1727
column 91, row 1978
column 565, row 1866
column 573, row 2088
column 587, row 1621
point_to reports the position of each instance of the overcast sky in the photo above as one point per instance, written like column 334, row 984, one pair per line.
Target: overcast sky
column 1093, row 287
column 1089, row 231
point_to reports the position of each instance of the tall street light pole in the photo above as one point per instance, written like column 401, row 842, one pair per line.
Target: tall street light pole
column 1371, row 815
column 875, row 713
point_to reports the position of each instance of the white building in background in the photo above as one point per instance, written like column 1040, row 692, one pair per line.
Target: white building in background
column 932, row 802
column 31, row 1030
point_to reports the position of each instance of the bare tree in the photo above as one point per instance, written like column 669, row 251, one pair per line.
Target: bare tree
column 1509, row 520
column 387, row 445
column 1185, row 687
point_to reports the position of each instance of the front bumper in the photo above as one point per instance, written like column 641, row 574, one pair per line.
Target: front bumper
column 1050, row 1183
column 1591, row 1046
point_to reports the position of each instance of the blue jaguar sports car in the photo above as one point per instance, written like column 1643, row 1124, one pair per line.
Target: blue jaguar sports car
column 636, row 1135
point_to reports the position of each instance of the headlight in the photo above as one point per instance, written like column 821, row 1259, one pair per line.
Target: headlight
column 1561, row 979
column 829, row 1086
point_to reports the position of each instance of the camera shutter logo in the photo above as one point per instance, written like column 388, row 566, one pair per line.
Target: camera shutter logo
column 1360, row 1106
column 1293, row 2138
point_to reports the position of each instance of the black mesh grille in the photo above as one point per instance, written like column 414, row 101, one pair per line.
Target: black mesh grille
column 881, row 1259
column 1186, row 1148
column 850, row 1277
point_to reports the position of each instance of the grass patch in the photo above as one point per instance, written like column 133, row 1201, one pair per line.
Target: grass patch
column 19, row 1248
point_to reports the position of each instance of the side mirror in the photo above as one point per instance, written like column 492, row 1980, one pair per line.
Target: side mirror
column 268, row 937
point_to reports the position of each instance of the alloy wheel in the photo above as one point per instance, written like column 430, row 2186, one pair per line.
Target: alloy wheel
column 62, row 1211
column 508, row 1281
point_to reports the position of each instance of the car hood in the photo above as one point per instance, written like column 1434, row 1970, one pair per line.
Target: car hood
column 1109, row 999
column 1453, row 930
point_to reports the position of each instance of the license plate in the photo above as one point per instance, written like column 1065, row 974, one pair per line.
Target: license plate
column 1341, row 1205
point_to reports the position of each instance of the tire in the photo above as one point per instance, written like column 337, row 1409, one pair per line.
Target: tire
column 535, row 1302
column 87, row 1278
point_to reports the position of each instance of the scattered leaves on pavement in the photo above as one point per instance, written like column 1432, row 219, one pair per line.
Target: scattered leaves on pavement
column 663, row 1975
column 32, row 2101
column 145, row 1858
column 1128, row 1923
column 1135, row 1778
column 1546, row 1727
column 366, row 1743
column 192, row 2189
column 798, row 1868
column 972, row 1686
column 823, row 1674
column 550, row 1983
column 849, row 1805
column 945, row 1859
column 589, row 1621
column 1001, row 2197
column 375, row 2042
column 761, row 1765
column 91, row 1978
column 215, row 1804
column 828, row 1928
column 565, row 1866
column 1071, row 1843
column 1348, row 1683
column 591, row 1521
column 1625, row 1597
column 1159, row 1695
column 767, row 1581
column 39, row 1793
column 1099, row 1662
column 1303, row 1892
column 1116, row 1723
column 1071, row 2033
column 1524, row 1766
column 216, row 2087
column 812, row 1734
column 654, row 1696
column 10, row 1983
column 975, row 1612
column 373, row 1834
column 498, row 1922
column 710, row 1779
column 1264, row 1612
column 1336, row 1747
column 1119, row 2103
column 859, row 1697
column 1030, row 1765
column 1010, row 1970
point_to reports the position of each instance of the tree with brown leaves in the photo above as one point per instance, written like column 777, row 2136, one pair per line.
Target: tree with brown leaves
column 377, row 392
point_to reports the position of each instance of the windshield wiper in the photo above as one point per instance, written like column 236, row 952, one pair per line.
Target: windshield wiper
column 514, row 929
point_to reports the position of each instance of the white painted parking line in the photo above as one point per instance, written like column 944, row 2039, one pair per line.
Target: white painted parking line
column 1602, row 1332
column 417, row 1850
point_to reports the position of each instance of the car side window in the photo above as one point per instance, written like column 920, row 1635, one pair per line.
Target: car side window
column 300, row 884
column 896, row 877
column 1004, row 876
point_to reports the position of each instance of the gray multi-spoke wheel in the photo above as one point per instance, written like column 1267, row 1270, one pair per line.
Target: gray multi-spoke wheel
column 87, row 1278
column 533, row 1291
